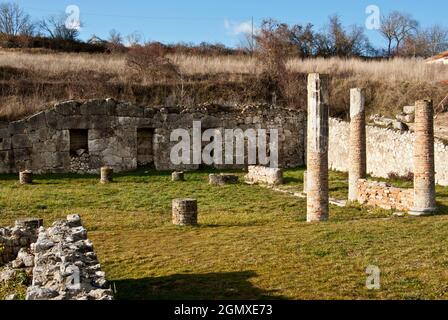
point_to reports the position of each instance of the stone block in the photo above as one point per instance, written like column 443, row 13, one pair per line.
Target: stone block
column 129, row 110
column 97, row 107
column 20, row 141
column 37, row 121
column 409, row 109
column 68, row 108
column 222, row 179
column 18, row 127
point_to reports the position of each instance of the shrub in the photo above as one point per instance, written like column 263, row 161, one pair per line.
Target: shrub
column 150, row 62
column 396, row 176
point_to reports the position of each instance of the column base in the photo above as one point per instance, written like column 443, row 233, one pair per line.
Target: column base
column 422, row 212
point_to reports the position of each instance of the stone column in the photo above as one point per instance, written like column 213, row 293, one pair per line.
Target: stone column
column 178, row 176
column 185, row 212
column 106, row 175
column 357, row 143
column 317, row 148
column 26, row 177
column 424, row 163
column 29, row 223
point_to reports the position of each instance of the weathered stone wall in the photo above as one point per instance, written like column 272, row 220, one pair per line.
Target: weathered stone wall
column 264, row 175
column 41, row 143
column 65, row 265
column 383, row 195
column 388, row 151
column 60, row 260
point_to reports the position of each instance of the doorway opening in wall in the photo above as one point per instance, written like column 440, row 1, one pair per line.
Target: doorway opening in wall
column 145, row 147
column 79, row 142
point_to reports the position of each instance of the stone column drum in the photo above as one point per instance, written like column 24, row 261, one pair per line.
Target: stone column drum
column 424, row 163
column 26, row 177
column 106, row 175
column 317, row 148
column 177, row 176
column 185, row 212
column 357, row 143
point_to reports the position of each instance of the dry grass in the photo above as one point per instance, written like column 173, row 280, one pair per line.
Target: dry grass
column 30, row 80
column 412, row 70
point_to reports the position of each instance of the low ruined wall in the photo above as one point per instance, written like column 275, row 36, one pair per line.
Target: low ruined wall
column 60, row 260
column 388, row 151
column 117, row 131
column 65, row 265
column 12, row 240
column 383, row 195
column 264, row 175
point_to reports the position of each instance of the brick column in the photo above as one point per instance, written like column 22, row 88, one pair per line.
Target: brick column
column 317, row 148
column 424, row 163
column 357, row 142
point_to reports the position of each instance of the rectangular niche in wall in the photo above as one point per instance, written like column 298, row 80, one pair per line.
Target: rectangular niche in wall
column 79, row 142
column 145, row 147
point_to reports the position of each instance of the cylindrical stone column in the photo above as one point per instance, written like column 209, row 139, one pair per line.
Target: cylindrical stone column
column 357, row 143
column 424, row 163
column 26, row 177
column 106, row 175
column 317, row 148
column 185, row 212
column 177, row 176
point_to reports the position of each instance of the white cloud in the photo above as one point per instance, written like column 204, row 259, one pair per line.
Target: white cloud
column 237, row 28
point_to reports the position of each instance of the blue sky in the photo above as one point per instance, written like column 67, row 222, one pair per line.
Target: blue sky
column 195, row 21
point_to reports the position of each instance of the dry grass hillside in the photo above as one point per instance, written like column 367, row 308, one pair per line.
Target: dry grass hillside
column 30, row 81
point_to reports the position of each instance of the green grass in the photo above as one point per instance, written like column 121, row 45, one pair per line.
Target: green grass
column 16, row 286
column 252, row 243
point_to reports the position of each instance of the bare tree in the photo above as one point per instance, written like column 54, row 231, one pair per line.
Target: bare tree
column 337, row 40
column 437, row 38
column 55, row 27
column 14, row 20
column 397, row 27
column 133, row 39
column 248, row 43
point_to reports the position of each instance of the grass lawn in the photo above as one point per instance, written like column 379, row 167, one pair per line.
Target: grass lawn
column 252, row 243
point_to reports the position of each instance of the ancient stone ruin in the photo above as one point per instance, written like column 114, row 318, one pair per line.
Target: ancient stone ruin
column 418, row 201
column 60, row 260
column 317, row 148
column 82, row 137
column 384, row 195
column 264, row 175
column 357, row 142
column 178, row 176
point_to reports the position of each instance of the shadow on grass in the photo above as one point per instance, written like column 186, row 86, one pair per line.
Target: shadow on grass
column 288, row 180
column 210, row 286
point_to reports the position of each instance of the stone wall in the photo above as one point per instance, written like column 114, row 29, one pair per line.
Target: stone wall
column 264, row 175
column 383, row 195
column 59, row 260
column 41, row 143
column 65, row 265
column 388, row 151
column 12, row 240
